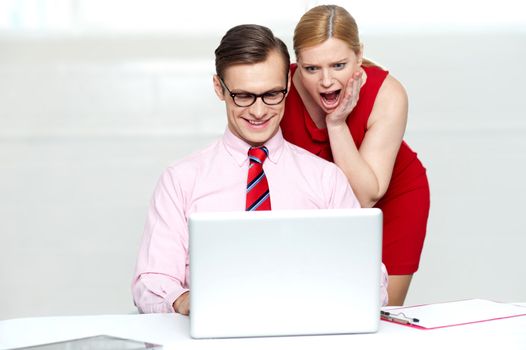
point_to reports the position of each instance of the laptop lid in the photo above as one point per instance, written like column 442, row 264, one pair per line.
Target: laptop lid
column 273, row 273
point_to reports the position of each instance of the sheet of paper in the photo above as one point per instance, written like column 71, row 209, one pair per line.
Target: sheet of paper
column 458, row 312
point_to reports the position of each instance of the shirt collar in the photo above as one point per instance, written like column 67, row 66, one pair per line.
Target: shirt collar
column 238, row 149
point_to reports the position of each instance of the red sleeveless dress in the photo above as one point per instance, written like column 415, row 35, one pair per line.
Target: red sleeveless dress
column 406, row 203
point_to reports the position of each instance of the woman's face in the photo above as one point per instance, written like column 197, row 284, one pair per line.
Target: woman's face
column 325, row 70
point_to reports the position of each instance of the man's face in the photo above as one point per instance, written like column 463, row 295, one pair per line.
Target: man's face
column 257, row 123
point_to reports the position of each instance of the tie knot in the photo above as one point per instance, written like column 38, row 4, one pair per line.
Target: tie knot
column 258, row 154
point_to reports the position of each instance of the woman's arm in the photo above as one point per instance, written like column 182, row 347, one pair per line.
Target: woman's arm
column 369, row 168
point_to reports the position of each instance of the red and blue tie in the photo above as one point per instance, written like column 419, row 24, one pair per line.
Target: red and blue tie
column 258, row 196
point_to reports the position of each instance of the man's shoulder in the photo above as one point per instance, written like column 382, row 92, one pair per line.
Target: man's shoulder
column 314, row 165
column 306, row 156
column 195, row 160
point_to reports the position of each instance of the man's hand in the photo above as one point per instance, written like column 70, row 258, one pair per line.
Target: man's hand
column 182, row 304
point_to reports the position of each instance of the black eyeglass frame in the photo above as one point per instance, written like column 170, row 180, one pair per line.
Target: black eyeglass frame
column 255, row 96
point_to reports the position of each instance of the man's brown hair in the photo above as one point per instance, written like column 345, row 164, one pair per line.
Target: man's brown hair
column 248, row 44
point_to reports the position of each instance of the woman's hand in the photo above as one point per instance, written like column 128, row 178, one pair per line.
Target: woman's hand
column 349, row 100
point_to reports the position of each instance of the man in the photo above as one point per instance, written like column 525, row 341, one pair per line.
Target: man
column 252, row 79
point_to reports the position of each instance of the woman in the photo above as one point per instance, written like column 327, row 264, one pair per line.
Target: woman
column 350, row 111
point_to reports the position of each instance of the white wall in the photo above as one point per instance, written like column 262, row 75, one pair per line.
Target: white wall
column 467, row 122
column 88, row 122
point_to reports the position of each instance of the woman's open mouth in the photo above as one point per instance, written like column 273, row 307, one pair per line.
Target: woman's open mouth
column 330, row 99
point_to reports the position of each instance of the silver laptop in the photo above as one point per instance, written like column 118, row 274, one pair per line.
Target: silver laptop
column 274, row 273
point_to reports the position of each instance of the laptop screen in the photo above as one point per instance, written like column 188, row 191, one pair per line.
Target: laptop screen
column 285, row 272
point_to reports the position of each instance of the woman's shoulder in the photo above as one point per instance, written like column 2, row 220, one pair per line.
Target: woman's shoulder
column 386, row 85
column 382, row 77
column 375, row 73
column 374, row 77
column 391, row 103
column 392, row 90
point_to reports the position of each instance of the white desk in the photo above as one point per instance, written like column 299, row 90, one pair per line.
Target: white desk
column 171, row 330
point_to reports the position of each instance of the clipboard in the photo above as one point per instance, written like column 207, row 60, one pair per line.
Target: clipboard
column 450, row 314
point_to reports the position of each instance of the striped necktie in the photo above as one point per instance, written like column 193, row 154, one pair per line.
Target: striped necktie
column 258, row 197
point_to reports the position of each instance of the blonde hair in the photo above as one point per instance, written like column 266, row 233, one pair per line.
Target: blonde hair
column 324, row 22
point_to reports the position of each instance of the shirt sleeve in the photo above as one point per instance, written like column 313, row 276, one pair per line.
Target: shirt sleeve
column 342, row 195
column 162, row 264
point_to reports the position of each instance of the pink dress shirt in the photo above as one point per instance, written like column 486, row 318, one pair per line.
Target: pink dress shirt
column 214, row 179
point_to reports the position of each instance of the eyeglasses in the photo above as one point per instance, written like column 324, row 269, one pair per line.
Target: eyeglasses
column 246, row 99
